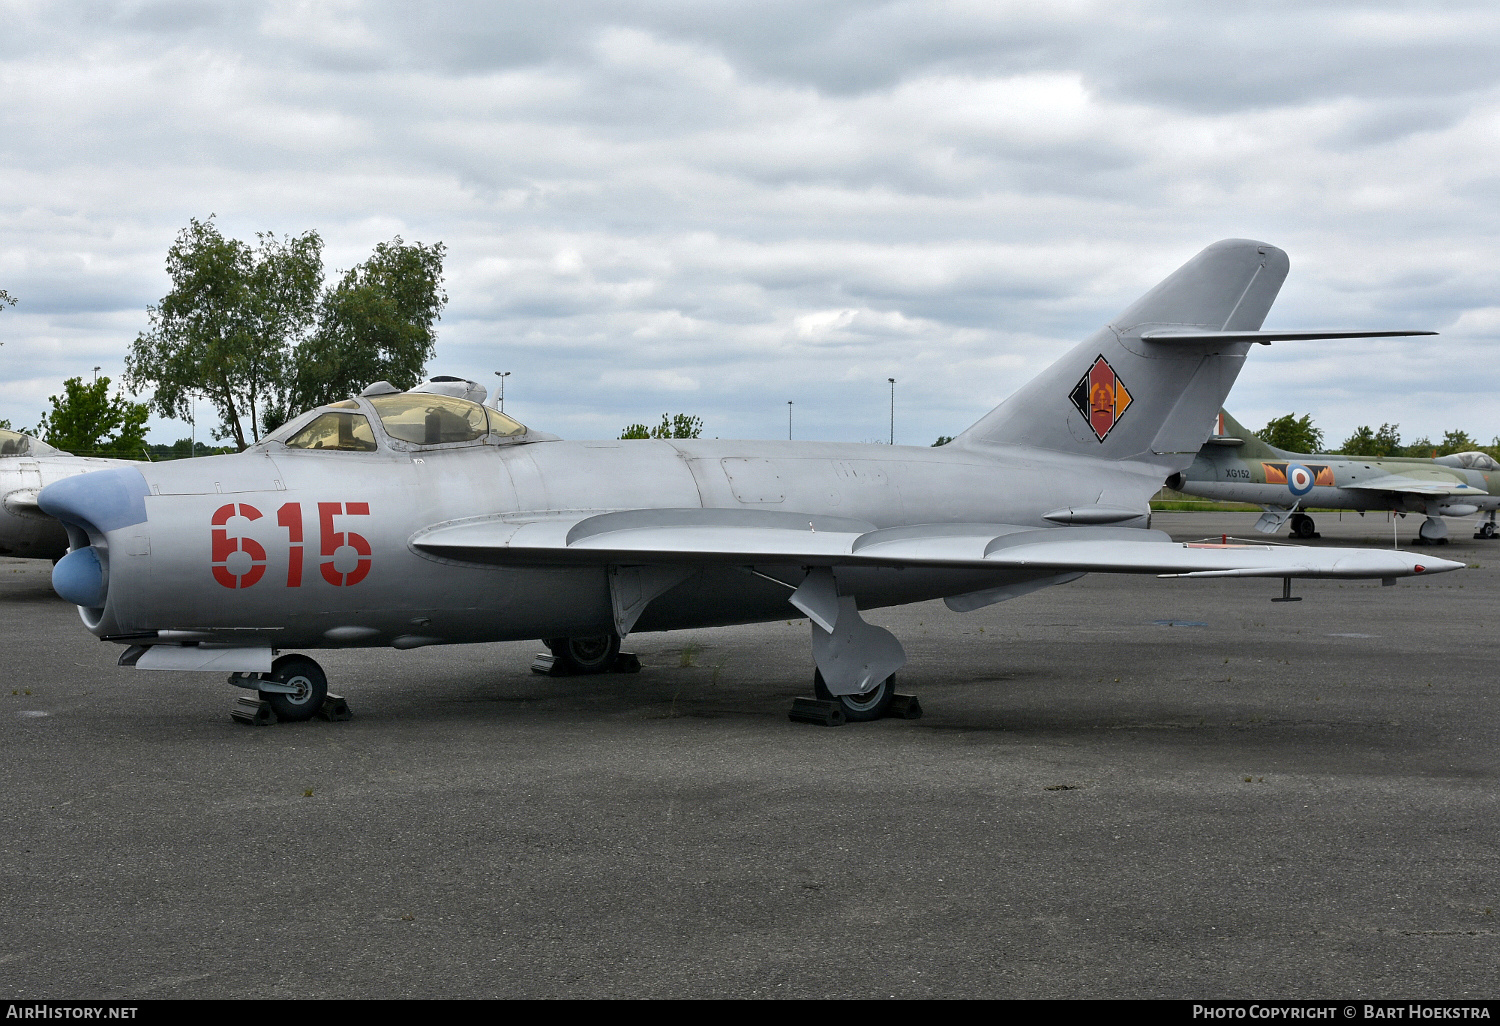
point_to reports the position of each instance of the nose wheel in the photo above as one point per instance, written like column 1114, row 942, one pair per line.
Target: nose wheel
column 300, row 688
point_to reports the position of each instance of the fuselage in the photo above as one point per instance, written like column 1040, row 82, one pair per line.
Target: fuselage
column 299, row 547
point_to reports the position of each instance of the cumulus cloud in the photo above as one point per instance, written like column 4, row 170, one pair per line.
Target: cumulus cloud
column 716, row 209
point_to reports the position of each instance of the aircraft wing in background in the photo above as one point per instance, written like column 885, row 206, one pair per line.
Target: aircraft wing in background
column 1417, row 486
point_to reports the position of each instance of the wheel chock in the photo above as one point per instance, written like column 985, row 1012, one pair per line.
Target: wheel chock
column 816, row 710
column 905, row 707
column 546, row 664
column 335, row 709
column 252, row 710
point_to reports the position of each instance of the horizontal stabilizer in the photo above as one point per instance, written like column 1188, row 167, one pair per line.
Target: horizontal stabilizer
column 693, row 537
column 1265, row 338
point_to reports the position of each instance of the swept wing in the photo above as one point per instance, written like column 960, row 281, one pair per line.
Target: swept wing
column 717, row 536
column 1417, row 486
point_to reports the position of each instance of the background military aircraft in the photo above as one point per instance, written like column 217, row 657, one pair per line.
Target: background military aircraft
column 28, row 465
column 406, row 519
column 1236, row 466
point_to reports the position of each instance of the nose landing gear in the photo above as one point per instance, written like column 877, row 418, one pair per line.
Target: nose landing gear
column 295, row 690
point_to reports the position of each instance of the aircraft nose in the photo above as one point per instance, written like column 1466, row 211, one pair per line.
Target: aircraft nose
column 90, row 506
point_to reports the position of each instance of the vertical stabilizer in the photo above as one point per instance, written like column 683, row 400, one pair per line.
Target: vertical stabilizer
column 1252, row 445
column 1121, row 397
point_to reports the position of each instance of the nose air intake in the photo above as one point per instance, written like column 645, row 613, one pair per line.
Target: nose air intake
column 90, row 506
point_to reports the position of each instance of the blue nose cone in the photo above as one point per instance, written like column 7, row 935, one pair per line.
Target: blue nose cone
column 79, row 578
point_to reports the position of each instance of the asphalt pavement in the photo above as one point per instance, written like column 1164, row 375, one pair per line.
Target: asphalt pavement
column 1121, row 787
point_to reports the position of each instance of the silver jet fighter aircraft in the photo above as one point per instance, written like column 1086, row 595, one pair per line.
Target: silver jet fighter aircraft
column 28, row 465
column 1236, row 466
column 406, row 519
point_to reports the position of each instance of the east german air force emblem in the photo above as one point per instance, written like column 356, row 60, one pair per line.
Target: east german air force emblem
column 1101, row 397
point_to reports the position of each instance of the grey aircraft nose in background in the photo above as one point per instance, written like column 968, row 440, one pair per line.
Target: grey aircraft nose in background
column 27, row 465
column 405, row 519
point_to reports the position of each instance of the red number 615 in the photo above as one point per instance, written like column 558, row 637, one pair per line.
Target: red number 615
column 289, row 516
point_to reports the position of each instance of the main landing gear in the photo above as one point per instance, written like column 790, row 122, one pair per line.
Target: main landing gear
column 1486, row 530
column 577, row 657
column 832, row 710
column 871, row 705
column 295, row 690
column 857, row 661
column 1434, row 531
column 1303, row 527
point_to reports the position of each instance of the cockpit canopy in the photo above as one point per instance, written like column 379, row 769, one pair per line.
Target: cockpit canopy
column 407, row 419
column 13, row 443
column 1469, row 461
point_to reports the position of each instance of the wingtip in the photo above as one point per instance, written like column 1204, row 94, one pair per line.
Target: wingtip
column 1435, row 565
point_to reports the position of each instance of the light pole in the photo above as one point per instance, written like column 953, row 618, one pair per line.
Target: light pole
column 788, row 420
column 96, row 373
column 893, row 409
column 502, row 375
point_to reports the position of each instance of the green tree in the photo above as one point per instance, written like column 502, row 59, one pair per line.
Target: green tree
column 679, row 425
column 227, row 328
column 1365, row 442
column 6, row 299
column 1293, row 433
column 375, row 324
column 1456, row 441
column 942, row 440
column 85, row 420
column 184, row 448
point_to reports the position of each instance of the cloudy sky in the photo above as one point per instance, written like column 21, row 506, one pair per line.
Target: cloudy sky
column 720, row 208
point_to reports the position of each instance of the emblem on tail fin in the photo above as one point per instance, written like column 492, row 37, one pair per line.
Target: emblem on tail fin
column 1101, row 397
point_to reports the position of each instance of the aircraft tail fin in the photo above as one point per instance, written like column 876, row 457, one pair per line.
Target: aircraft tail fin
column 1250, row 443
column 1146, row 386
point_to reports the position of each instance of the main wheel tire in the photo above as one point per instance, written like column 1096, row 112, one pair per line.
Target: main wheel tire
column 1486, row 530
column 309, row 680
column 1303, row 526
column 871, row 705
column 586, row 655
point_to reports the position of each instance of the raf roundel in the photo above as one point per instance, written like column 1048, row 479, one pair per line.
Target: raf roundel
column 1299, row 479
